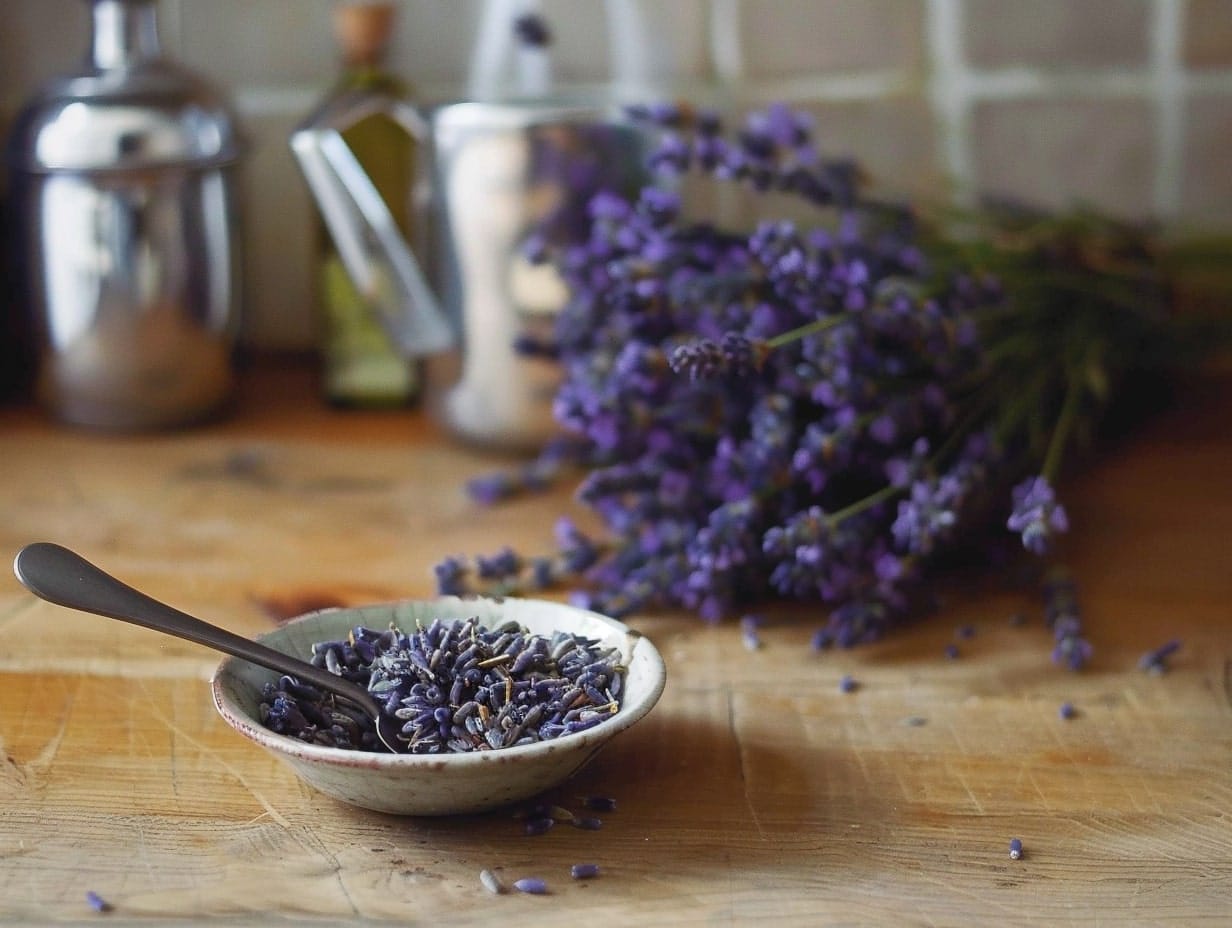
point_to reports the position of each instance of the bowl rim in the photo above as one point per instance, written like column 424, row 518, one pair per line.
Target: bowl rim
column 628, row 714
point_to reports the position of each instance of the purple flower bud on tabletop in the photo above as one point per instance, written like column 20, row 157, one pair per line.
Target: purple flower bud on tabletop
column 584, row 871
column 451, row 575
column 1067, row 710
column 490, row 488
column 600, row 803
column 1157, row 661
column 1015, row 848
column 951, row 651
column 531, row 885
column 848, row 684
column 97, row 902
column 587, row 823
column 504, row 563
column 539, row 826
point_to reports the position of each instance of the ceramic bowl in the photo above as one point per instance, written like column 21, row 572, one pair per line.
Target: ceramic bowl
column 439, row 784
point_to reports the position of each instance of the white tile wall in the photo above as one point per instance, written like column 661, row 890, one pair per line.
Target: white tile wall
column 1126, row 103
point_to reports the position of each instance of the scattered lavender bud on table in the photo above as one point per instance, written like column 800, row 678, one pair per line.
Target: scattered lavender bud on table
column 532, row 885
column 584, row 871
column 559, row 814
column 539, row 826
column 587, row 824
column 600, row 803
column 1015, row 848
column 951, row 651
column 97, row 902
column 1067, row 710
column 1156, row 662
column 848, row 684
column 966, row 631
column 491, row 882
column 915, row 721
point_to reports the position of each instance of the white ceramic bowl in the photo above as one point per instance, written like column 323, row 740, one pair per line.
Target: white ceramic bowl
column 439, row 784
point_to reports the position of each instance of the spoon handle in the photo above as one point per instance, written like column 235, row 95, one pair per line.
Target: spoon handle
column 58, row 575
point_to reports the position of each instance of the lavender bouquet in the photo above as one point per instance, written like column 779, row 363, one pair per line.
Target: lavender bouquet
column 817, row 412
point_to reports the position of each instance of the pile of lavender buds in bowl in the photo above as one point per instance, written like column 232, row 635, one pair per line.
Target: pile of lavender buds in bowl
column 820, row 410
column 457, row 687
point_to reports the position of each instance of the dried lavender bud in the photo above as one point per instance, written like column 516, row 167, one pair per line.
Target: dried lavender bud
column 1156, row 661
column 1067, row 710
column 847, row 684
column 491, row 882
column 560, row 814
column 966, row 631
column 587, row 824
column 951, row 651
column 1015, row 848
column 538, row 826
column 600, row 803
column 915, row 721
column 97, row 902
column 532, row 885
column 584, row 871
column 454, row 686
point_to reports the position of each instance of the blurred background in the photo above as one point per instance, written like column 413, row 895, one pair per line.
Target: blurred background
column 1124, row 104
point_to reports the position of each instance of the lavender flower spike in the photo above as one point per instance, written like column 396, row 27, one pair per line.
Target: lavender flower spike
column 1037, row 515
column 705, row 359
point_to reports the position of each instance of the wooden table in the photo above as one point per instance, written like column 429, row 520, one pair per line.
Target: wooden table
column 756, row 790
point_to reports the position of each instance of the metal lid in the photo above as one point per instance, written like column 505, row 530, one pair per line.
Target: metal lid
column 128, row 109
column 155, row 116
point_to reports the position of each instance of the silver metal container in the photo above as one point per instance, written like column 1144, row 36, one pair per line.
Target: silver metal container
column 123, row 177
column 503, row 173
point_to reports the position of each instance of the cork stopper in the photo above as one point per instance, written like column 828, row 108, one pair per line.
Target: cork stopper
column 363, row 30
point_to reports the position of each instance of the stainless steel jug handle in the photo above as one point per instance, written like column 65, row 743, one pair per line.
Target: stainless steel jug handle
column 370, row 244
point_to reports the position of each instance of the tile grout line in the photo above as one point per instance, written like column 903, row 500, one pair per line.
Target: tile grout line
column 1169, row 99
column 726, row 51
column 949, row 93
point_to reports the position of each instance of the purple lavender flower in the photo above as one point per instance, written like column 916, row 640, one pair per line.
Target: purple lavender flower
column 734, row 355
column 1062, row 613
column 1156, row 661
column 451, row 576
column 804, row 410
column 1037, row 515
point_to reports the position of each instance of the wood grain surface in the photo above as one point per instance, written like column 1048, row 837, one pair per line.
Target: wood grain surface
column 755, row 791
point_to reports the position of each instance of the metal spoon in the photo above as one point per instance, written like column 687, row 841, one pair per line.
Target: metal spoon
column 58, row 575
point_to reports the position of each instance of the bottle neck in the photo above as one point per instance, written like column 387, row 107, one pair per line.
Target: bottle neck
column 125, row 33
